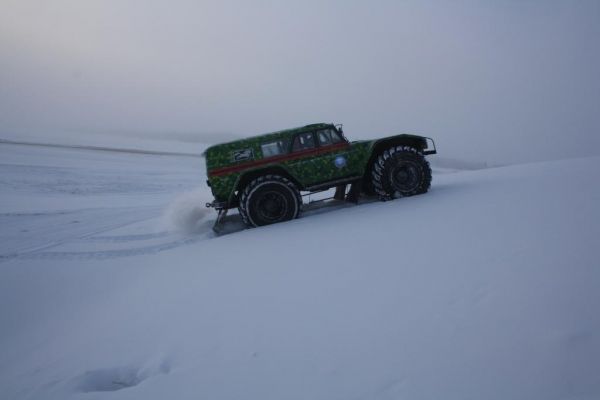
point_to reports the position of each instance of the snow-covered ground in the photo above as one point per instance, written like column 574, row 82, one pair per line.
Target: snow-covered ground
column 112, row 285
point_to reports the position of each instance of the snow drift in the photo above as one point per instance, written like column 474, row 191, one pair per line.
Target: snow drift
column 486, row 287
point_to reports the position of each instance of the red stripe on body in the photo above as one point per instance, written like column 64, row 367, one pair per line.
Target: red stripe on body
column 285, row 157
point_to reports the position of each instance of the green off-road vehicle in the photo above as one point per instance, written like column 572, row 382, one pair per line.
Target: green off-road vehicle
column 263, row 176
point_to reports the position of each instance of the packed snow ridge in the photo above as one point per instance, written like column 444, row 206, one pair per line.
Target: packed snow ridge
column 112, row 285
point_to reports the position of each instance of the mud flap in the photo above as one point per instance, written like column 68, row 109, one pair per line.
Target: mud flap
column 340, row 192
column 355, row 190
column 218, row 226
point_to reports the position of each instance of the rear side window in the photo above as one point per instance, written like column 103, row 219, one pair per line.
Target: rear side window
column 303, row 141
column 274, row 148
column 328, row 136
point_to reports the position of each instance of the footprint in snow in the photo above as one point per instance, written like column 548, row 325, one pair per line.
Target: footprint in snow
column 112, row 379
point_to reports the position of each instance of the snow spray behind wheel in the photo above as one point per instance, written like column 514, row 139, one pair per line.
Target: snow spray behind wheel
column 186, row 213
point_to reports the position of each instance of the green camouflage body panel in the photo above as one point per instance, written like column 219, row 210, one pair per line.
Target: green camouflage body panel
column 223, row 186
column 227, row 163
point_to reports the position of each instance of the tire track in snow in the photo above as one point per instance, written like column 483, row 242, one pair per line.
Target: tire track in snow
column 61, row 228
column 108, row 254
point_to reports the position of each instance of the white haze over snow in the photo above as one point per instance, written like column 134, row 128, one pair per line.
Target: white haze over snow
column 493, row 81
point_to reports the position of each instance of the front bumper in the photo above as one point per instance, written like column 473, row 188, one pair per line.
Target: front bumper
column 430, row 149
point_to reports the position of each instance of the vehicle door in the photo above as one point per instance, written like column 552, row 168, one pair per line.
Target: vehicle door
column 335, row 155
column 303, row 153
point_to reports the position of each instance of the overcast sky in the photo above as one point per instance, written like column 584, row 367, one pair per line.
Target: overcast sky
column 500, row 81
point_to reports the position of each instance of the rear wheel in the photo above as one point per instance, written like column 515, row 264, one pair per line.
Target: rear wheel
column 269, row 199
column 400, row 171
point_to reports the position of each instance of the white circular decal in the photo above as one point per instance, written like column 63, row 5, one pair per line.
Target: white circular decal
column 340, row 161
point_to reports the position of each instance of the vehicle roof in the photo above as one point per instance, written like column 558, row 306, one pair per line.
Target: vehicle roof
column 273, row 135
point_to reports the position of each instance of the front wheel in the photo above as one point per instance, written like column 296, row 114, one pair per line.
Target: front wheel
column 269, row 199
column 400, row 171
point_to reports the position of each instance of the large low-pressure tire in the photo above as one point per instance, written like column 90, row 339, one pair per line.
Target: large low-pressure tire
column 269, row 199
column 400, row 171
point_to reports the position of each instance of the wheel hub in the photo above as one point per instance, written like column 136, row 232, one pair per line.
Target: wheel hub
column 272, row 206
column 405, row 177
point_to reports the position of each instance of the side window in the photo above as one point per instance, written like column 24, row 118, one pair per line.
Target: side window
column 303, row 141
column 274, row 148
column 328, row 136
column 324, row 137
